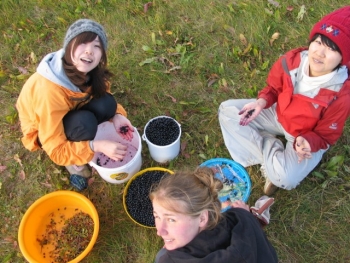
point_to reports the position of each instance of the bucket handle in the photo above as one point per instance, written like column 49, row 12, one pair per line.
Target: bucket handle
column 144, row 137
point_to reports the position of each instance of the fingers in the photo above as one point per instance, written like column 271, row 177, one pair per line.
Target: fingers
column 247, row 117
column 119, row 152
column 240, row 204
column 304, row 155
column 126, row 132
column 302, row 148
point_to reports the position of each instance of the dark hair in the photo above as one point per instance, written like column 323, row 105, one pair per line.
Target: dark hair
column 329, row 43
column 98, row 78
column 190, row 193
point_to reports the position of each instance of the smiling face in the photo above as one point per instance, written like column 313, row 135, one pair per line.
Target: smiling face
column 322, row 59
column 176, row 229
column 87, row 55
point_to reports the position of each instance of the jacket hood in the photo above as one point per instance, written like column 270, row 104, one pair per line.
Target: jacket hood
column 51, row 68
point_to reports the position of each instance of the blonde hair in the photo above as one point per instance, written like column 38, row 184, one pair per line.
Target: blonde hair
column 190, row 193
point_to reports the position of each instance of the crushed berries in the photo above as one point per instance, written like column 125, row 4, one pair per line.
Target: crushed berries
column 124, row 129
column 71, row 240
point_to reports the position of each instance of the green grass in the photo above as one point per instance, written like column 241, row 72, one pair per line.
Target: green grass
column 200, row 61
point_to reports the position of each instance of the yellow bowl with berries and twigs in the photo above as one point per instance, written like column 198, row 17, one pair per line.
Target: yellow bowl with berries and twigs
column 61, row 226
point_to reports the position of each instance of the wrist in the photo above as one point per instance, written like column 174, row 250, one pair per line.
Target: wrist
column 261, row 102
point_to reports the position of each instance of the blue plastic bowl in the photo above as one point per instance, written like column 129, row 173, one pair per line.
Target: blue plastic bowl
column 236, row 180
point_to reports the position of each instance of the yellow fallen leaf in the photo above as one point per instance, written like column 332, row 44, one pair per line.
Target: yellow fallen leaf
column 274, row 37
column 16, row 157
column 243, row 39
column 22, row 175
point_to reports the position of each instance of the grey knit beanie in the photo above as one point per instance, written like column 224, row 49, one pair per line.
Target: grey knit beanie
column 85, row 25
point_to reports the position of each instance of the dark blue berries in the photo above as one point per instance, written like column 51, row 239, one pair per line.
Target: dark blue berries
column 137, row 201
column 124, row 129
column 162, row 131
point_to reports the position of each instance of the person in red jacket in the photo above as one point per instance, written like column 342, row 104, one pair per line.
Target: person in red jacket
column 63, row 102
column 187, row 215
column 306, row 100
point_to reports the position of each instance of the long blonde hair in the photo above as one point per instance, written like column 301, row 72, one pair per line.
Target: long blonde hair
column 190, row 193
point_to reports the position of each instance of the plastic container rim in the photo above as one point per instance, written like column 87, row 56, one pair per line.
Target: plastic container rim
column 131, row 180
column 249, row 183
column 144, row 136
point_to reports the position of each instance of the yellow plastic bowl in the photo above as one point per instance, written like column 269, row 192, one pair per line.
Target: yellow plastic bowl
column 53, row 206
column 140, row 173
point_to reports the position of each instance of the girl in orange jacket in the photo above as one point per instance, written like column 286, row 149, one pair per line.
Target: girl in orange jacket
column 62, row 103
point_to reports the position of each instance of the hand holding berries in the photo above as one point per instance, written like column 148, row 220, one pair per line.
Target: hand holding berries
column 123, row 127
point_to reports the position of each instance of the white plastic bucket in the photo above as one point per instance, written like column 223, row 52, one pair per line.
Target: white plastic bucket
column 117, row 172
column 164, row 153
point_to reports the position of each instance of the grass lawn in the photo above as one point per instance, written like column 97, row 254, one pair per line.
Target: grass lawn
column 180, row 58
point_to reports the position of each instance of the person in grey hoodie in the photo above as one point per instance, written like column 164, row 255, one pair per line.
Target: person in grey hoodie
column 63, row 102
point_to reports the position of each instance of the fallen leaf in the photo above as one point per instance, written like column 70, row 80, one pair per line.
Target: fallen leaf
column 56, row 171
column 33, row 58
column 243, row 39
column 46, row 184
column 290, row 8
column 230, row 29
column 301, row 13
column 268, row 11
column 2, row 168
column 274, row 37
column 172, row 69
column 22, row 70
column 183, row 146
column 272, row 2
column 9, row 239
column 22, row 175
column 211, row 82
column 16, row 157
column 146, row 6
column 172, row 98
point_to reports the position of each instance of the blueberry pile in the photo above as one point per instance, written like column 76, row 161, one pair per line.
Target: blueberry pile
column 162, row 131
column 137, row 200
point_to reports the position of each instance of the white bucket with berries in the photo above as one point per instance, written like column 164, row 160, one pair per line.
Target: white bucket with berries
column 117, row 172
column 162, row 135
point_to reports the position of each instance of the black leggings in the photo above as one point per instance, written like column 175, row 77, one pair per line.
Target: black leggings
column 81, row 124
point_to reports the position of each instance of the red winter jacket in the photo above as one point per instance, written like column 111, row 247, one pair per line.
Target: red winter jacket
column 321, row 126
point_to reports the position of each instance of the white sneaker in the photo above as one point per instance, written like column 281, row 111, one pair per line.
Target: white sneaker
column 81, row 170
column 262, row 209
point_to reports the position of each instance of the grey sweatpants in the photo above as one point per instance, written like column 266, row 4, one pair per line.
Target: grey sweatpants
column 256, row 144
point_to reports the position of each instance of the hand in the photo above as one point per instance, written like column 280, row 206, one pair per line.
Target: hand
column 237, row 204
column 113, row 150
column 240, row 204
column 251, row 110
column 303, row 149
column 123, row 127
